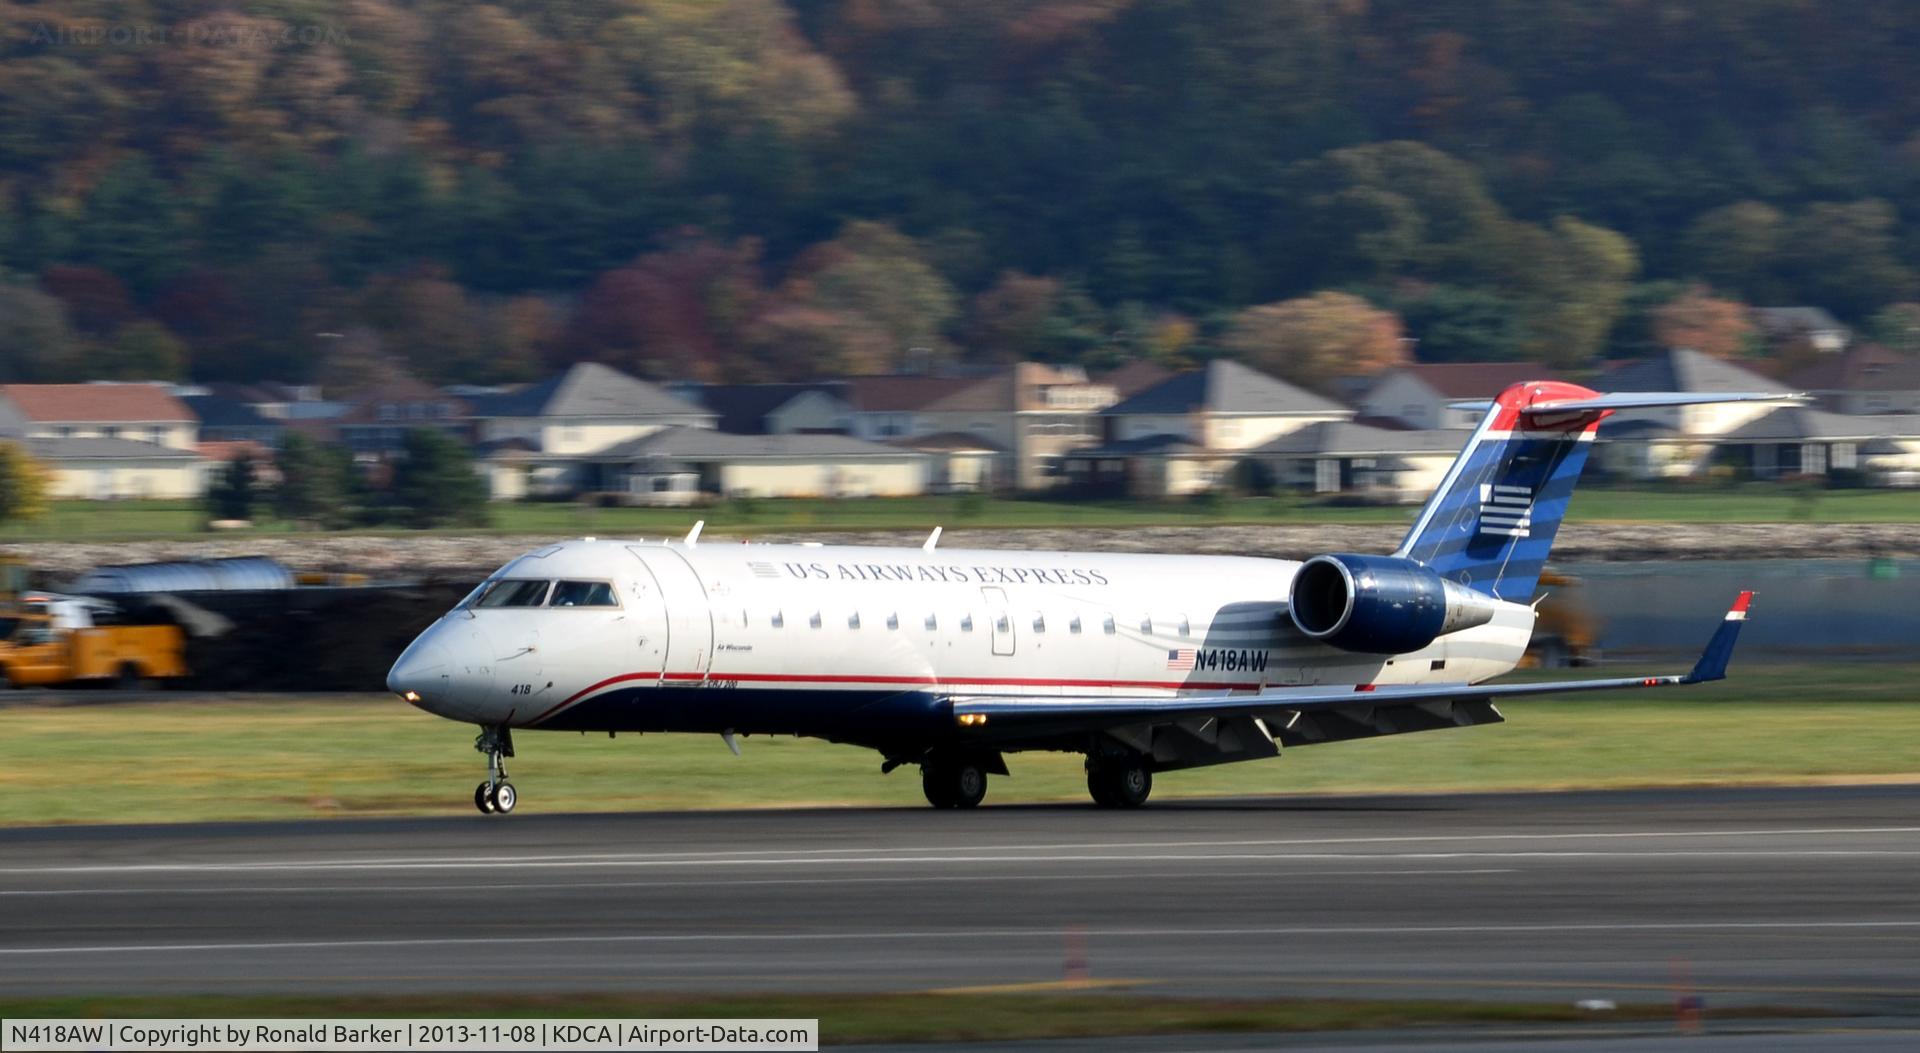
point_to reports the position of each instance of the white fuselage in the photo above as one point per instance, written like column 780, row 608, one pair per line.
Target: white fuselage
column 804, row 638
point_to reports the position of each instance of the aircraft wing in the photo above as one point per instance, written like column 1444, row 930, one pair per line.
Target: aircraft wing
column 1638, row 400
column 1003, row 717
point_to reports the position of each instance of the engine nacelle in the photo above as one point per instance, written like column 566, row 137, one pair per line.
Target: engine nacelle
column 1381, row 604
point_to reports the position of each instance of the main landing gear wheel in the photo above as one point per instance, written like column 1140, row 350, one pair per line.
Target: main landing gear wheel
column 953, row 783
column 1124, row 785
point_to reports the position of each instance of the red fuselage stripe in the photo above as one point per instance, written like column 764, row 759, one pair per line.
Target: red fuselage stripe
column 970, row 681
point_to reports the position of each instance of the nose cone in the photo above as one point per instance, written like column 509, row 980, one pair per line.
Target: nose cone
column 421, row 670
column 445, row 671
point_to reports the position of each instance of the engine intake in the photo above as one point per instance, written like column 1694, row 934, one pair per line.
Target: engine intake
column 1381, row 604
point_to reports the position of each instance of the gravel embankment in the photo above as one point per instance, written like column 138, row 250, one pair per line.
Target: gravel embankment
column 414, row 557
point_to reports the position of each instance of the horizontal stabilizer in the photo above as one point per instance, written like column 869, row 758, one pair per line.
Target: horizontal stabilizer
column 1619, row 400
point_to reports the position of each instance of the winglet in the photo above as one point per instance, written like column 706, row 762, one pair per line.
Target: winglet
column 1713, row 661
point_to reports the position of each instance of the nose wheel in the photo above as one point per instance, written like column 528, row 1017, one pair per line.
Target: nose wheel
column 496, row 796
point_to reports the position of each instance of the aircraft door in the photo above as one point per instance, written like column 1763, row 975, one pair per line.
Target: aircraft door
column 681, row 613
column 999, row 619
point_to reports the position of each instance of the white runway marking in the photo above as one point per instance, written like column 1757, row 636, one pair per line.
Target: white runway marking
column 1049, row 934
column 1136, row 850
column 918, row 879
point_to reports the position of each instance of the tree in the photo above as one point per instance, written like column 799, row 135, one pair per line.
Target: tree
column 1898, row 327
column 876, row 278
column 1841, row 256
column 36, row 343
column 232, row 494
column 1462, row 325
column 1314, row 339
column 23, row 483
column 1704, row 323
column 311, row 487
column 436, row 484
column 1735, row 247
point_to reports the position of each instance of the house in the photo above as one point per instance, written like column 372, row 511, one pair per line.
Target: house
column 378, row 417
column 1679, row 440
column 226, row 419
column 773, row 409
column 104, row 441
column 887, row 407
column 1807, row 327
column 957, row 462
column 651, row 468
column 1134, row 377
column 540, row 440
column 1865, row 378
column 1802, row 440
column 1160, row 465
column 1033, row 411
column 1339, row 456
column 1420, row 395
column 1214, row 413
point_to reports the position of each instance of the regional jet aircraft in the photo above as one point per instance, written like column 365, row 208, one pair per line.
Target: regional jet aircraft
column 950, row 660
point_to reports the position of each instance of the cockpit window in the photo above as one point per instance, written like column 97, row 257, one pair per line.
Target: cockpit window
column 7, row 626
column 512, row 593
column 583, row 594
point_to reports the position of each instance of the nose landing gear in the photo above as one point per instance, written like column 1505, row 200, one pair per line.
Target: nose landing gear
column 496, row 795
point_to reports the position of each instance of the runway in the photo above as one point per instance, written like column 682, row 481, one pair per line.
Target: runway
column 1799, row 898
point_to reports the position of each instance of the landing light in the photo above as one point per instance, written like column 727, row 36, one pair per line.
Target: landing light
column 410, row 696
column 970, row 720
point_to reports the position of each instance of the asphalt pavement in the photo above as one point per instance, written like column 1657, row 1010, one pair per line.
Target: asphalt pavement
column 1800, row 898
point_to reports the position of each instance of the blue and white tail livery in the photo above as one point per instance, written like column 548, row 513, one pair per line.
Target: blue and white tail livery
column 1491, row 523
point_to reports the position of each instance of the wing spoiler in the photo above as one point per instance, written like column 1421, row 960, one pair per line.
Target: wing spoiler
column 989, row 714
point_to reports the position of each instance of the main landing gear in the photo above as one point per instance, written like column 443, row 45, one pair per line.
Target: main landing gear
column 496, row 795
column 958, row 780
column 1119, row 783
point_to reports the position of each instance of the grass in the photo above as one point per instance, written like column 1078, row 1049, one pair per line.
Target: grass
column 185, row 759
column 859, row 1018
column 1748, row 503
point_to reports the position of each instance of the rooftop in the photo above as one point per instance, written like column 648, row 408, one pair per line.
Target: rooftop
column 1227, row 387
column 89, row 403
column 706, row 444
column 588, row 389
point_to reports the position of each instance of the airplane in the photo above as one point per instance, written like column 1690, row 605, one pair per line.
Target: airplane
column 950, row 660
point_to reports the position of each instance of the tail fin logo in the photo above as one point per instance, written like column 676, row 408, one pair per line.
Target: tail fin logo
column 1506, row 510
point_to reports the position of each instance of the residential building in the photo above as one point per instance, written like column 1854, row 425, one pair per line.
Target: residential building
column 1865, row 378
column 774, row 409
column 1802, row 440
column 1680, row 440
column 135, row 412
column 106, row 441
column 1345, row 457
column 724, row 465
column 1420, row 395
column 1035, row 412
column 888, row 407
column 378, row 417
column 540, row 440
column 1184, row 434
column 957, row 462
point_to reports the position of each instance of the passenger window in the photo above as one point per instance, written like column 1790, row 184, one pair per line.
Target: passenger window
column 1146, row 626
column 1108, row 627
column 510, row 593
column 853, row 620
column 1003, row 623
column 966, row 623
column 932, row 623
column 1186, row 628
column 814, row 621
column 779, row 620
column 583, row 594
column 1073, row 626
column 893, row 620
column 1039, row 623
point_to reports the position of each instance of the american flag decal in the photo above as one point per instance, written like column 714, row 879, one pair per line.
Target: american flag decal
column 1506, row 510
column 1181, row 660
column 764, row 570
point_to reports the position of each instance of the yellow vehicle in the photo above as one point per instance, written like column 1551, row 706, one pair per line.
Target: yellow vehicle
column 1565, row 631
column 51, row 640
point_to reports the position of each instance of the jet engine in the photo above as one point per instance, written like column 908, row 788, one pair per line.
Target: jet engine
column 1381, row 604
